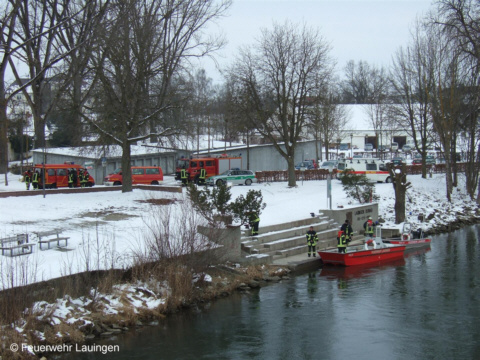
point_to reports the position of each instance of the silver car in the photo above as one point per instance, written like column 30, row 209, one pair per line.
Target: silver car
column 236, row 177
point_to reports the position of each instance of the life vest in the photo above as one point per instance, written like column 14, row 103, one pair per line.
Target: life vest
column 341, row 239
column 203, row 173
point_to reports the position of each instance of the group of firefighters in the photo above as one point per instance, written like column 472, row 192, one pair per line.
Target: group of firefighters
column 35, row 178
column 344, row 236
column 199, row 178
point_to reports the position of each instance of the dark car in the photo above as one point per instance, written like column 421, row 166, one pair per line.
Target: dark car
column 398, row 161
column 307, row 164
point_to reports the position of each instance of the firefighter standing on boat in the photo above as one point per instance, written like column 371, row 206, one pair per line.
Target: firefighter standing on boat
column 341, row 242
column 347, row 229
column 369, row 227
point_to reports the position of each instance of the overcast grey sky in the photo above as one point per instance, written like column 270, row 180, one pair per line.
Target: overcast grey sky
column 370, row 30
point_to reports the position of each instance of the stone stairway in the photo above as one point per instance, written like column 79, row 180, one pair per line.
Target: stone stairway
column 289, row 239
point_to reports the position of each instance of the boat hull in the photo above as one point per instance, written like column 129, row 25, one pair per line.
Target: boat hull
column 410, row 244
column 362, row 257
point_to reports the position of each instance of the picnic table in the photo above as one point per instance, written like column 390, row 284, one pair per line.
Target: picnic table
column 16, row 242
column 49, row 237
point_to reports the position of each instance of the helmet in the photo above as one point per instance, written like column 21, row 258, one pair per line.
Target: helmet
column 369, row 218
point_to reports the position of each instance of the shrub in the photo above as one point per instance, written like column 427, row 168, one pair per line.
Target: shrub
column 358, row 187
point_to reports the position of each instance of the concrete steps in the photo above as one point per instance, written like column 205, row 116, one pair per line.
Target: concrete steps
column 289, row 239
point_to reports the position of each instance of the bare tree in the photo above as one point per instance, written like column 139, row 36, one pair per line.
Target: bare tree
column 141, row 53
column 326, row 117
column 400, row 186
column 8, row 19
column 460, row 20
column 413, row 84
column 278, row 75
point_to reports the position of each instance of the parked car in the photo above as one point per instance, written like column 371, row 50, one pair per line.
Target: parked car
column 236, row 177
column 430, row 160
column 382, row 148
column 307, row 164
column 417, row 162
column 394, row 146
column 368, row 147
column 344, row 147
column 326, row 164
column 406, row 148
column 398, row 160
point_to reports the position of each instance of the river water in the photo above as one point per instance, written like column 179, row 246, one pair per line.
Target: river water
column 426, row 306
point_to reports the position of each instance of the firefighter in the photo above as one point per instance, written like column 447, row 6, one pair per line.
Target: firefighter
column 369, row 227
column 84, row 176
column 184, row 176
column 202, row 176
column 81, row 178
column 254, row 222
column 341, row 242
column 71, row 178
column 27, row 176
column 347, row 229
column 35, row 179
column 312, row 239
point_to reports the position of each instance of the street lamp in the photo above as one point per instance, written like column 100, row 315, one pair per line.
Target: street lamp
column 329, row 186
column 351, row 145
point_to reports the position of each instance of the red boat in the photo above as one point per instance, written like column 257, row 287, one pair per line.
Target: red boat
column 355, row 257
column 408, row 238
column 363, row 254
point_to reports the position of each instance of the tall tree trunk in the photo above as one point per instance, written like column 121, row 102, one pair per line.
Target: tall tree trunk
column 126, row 167
column 292, row 182
column 3, row 136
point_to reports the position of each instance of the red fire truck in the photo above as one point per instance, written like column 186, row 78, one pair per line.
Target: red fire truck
column 213, row 166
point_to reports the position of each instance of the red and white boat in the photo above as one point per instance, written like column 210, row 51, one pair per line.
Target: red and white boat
column 374, row 251
column 412, row 240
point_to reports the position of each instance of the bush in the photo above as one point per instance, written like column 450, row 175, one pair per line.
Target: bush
column 358, row 187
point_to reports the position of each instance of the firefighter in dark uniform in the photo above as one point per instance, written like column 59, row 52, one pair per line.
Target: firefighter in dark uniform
column 254, row 222
column 28, row 178
column 35, row 179
column 341, row 242
column 202, row 176
column 81, row 177
column 312, row 239
column 86, row 178
column 347, row 230
column 71, row 178
column 184, row 176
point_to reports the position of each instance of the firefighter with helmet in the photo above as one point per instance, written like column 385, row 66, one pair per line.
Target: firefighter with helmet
column 202, row 176
column 184, row 176
column 312, row 239
column 27, row 176
column 369, row 227
column 341, row 242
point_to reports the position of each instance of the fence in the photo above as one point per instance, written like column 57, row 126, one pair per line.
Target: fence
column 321, row 174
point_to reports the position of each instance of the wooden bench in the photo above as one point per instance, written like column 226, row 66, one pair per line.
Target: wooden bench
column 45, row 238
column 19, row 241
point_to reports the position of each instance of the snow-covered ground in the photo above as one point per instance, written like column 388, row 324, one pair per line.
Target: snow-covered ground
column 105, row 228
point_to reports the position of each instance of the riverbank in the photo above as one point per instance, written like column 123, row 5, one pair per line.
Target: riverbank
column 114, row 304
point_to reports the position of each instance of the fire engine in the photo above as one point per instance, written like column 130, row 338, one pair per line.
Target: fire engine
column 213, row 166
column 56, row 175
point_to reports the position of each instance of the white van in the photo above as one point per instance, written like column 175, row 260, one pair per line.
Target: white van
column 374, row 169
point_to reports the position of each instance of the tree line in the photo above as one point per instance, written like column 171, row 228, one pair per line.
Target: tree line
column 122, row 70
